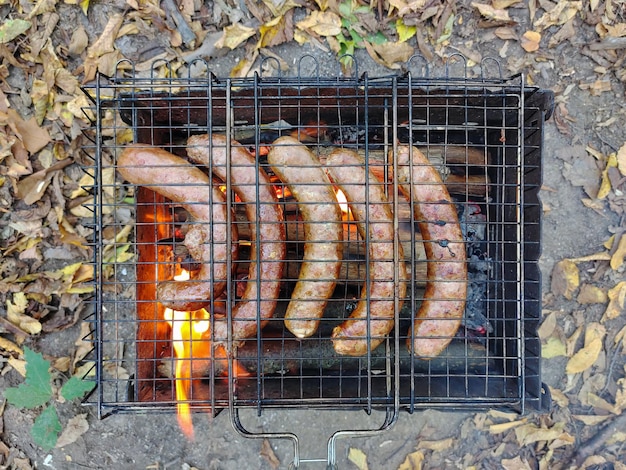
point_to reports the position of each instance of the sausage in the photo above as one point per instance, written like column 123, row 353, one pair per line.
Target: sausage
column 302, row 172
column 443, row 306
column 175, row 178
column 373, row 317
column 252, row 185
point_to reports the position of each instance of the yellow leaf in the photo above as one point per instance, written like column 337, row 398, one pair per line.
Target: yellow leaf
column 621, row 160
column 565, row 278
column 617, row 298
column 585, row 357
column 437, row 446
column 84, row 5
column 600, row 403
column 605, row 184
column 554, row 347
column 15, row 314
column 413, row 461
column 19, row 365
column 234, row 35
column 591, row 420
column 619, row 254
column 532, row 433
column 280, row 7
column 358, row 458
column 9, row 346
column 244, row 65
column 559, row 397
column 323, row 23
column 503, row 427
column 404, row 32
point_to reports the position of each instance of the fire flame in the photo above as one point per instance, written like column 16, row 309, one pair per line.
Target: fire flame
column 343, row 204
column 189, row 343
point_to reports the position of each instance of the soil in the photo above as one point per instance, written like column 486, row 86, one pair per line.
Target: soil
column 147, row 440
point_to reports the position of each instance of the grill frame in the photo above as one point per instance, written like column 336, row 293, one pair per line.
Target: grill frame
column 522, row 124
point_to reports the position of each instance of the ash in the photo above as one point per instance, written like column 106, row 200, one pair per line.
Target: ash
column 479, row 265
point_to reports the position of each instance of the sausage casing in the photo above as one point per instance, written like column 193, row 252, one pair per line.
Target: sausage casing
column 443, row 306
column 373, row 318
column 175, row 178
column 252, row 185
column 302, row 172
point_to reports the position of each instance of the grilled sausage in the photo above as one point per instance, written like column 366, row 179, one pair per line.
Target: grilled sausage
column 175, row 178
column 301, row 171
column 373, row 318
column 441, row 311
column 252, row 185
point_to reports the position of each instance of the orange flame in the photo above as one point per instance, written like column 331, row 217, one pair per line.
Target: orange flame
column 189, row 343
column 343, row 204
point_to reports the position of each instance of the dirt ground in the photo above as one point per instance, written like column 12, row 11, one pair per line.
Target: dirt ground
column 590, row 113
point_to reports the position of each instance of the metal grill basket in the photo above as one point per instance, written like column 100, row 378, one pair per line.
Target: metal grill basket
column 483, row 134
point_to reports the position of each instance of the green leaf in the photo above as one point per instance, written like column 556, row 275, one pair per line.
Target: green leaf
column 12, row 29
column 36, row 390
column 46, row 428
column 378, row 38
column 76, row 388
column 25, row 396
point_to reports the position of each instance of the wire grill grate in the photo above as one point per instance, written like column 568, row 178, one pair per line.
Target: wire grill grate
column 484, row 135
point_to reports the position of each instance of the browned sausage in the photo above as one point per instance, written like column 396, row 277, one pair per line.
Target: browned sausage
column 301, row 171
column 373, row 318
column 443, row 306
column 252, row 185
column 175, row 178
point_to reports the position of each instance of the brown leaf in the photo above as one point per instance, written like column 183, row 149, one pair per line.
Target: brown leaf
column 104, row 45
column 76, row 427
column 268, row 454
column 277, row 31
column 515, row 463
column 565, row 278
column 566, row 32
column 491, row 13
column 79, row 41
column 390, row 54
column 505, row 33
column 33, row 187
column 530, row 41
column 562, row 12
column 547, row 326
column 590, row 294
column 32, row 136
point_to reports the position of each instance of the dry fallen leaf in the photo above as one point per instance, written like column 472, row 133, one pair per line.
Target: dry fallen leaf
column 390, row 54
column 491, row 13
column 413, row 461
column 530, row 41
column 323, row 23
column 358, row 458
column 268, row 454
column 531, row 433
column 15, row 314
column 565, row 278
column 588, row 354
column 234, row 35
column 590, row 294
column 617, row 258
column 621, row 160
column 591, row 420
column 437, row 446
column 553, row 347
column 547, row 326
column 617, row 300
column 515, row 463
column 76, row 427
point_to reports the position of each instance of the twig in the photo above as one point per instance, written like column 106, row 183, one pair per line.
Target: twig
column 592, row 446
column 187, row 35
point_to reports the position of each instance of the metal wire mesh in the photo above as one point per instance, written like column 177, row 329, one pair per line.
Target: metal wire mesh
column 484, row 137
